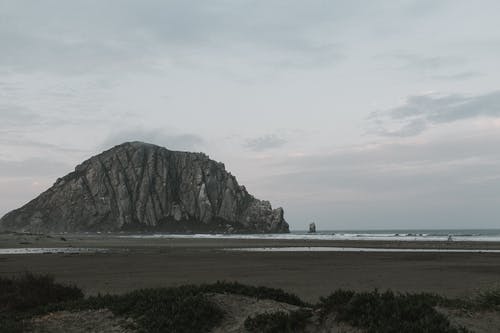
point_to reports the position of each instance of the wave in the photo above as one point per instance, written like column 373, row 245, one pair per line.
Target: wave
column 368, row 236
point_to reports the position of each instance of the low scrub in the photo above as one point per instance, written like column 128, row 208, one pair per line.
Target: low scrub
column 24, row 293
column 189, row 308
column 274, row 294
column 29, row 291
column 178, row 309
column 159, row 310
column 489, row 298
column 278, row 322
column 387, row 312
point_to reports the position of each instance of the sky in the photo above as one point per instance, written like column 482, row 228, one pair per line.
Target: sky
column 352, row 114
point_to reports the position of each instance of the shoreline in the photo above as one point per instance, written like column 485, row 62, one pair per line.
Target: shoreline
column 20, row 240
column 147, row 263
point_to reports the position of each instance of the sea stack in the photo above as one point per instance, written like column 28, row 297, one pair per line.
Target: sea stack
column 312, row 227
column 143, row 187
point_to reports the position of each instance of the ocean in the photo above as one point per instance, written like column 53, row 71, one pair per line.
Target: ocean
column 472, row 235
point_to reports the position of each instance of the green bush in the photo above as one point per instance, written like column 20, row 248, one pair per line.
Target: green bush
column 29, row 291
column 10, row 324
column 258, row 292
column 25, row 293
column 387, row 312
column 188, row 308
column 178, row 309
column 182, row 310
column 489, row 298
column 278, row 322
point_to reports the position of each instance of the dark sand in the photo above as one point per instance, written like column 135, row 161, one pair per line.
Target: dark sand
column 141, row 263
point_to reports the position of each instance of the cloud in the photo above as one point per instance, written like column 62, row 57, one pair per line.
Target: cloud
column 421, row 111
column 265, row 142
column 450, row 181
column 419, row 62
column 458, row 76
column 426, row 63
column 37, row 37
column 41, row 146
column 173, row 141
column 16, row 115
column 32, row 168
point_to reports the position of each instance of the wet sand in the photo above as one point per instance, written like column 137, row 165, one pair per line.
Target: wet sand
column 142, row 263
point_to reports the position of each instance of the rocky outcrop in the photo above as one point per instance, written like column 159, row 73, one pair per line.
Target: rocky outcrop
column 142, row 187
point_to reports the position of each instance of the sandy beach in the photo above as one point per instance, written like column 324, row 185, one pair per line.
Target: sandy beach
column 131, row 263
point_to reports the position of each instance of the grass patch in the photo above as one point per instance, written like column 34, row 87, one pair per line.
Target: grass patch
column 274, row 294
column 278, row 322
column 189, row 308
column 181, row 309
column 29, row 291
column 177, row 309
column 387, row 312
column 489, row 298
column 26, row 292
column 157, row 310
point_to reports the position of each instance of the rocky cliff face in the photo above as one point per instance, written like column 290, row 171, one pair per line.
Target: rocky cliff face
column 142, row 187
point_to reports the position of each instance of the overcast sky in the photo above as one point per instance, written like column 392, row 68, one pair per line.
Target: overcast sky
column 352, row 114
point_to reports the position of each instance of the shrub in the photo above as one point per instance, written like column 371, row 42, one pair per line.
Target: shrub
column 387, row 312
column 182, row 310
column 178, row 309
column 489, row 298
column 29, row 291
column 258, row 292
column 26, row 292
column 278, row 322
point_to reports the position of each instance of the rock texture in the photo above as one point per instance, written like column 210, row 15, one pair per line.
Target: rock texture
column 142, row 187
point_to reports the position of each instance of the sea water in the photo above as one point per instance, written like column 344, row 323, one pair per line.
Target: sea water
column 355, row 249
column 50, row 250
column 471, row 235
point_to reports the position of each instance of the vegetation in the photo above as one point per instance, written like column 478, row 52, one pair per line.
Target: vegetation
column 26, row 292
column 189, row 308
column 278, row 322
column 29, row 291
column 274, row 294
column 489, row 298
column 387, row 312
column 157, row 310
column 181, row 309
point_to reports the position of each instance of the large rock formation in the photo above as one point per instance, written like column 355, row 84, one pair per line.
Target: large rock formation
column 142, row 187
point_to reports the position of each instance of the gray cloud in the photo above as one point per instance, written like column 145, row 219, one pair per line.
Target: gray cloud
column 41, row 146
column 169, row 140
column 33, row 167
column 89, row 74
column 15, row 115
column 265, row 142
column 458, row 76
column 482, row 146
column 37, row 37
column 419, row 62
column 444, row 181
column 420, row 111
column 426, row 63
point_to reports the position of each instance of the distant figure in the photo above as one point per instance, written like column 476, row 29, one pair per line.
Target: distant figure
column 450, row 238
column 312, row 227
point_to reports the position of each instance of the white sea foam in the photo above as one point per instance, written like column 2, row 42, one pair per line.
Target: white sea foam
column 353, row 249
column 330, row 236
column 52, row 250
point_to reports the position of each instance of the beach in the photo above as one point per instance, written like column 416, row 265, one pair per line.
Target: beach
column 131, row 263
